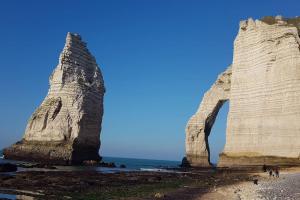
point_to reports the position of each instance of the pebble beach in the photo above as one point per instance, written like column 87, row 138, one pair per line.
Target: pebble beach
column 287, row 186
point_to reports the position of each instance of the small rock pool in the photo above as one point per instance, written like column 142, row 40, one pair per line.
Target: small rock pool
column 4, row 196
column 7, row 196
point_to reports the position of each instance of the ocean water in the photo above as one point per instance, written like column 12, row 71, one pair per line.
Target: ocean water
column 143, row 164
column 132, row 164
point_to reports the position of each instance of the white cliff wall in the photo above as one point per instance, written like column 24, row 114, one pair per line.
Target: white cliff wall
column 264, row 115
column 73, row 107
column 66, row 126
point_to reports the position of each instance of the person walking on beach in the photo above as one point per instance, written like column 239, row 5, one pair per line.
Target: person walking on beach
column 277, row 173
column 270, row 173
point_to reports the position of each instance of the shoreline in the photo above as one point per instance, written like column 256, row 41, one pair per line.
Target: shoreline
column 125, row 185
column 88, row 182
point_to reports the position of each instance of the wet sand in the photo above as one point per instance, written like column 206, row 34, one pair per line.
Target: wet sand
column 123, row 185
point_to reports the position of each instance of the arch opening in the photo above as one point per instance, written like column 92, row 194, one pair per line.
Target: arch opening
column 215, row 131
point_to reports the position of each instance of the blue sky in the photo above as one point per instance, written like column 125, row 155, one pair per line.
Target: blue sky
column 158, row 57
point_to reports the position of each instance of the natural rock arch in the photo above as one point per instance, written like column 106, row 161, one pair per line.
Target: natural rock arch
column 264, row 111
column 200, row 124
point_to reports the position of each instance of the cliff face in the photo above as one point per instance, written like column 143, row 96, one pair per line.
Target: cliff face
column 264, row 101
column 200, row 124
column 66, row 126
column 264, row 116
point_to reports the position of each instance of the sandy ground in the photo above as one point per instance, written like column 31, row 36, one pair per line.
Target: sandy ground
column 286, row 187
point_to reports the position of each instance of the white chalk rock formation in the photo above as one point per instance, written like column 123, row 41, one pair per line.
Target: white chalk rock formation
column 200, row 124
column 66, row 127
column 264, row 101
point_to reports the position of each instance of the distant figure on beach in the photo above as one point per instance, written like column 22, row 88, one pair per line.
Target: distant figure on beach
column 270, row 173
column 255, row 181
column 277, row 172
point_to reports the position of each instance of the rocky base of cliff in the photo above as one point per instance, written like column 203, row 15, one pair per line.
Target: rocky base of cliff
column 58, row 153
column 245, row 161
column 198, row 161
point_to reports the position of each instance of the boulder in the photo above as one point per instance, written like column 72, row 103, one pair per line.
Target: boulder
column 108, row 165
column 122, row 166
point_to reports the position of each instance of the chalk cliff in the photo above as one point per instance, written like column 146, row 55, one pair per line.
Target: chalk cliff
column 200, row 124
column 264, row 99
column 65, row 128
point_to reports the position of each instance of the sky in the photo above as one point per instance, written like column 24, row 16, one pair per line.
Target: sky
column 158, row 57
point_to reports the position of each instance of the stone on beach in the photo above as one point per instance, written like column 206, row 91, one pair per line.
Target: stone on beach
column 65, row 128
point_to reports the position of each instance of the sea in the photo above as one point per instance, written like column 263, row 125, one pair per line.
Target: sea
column 138, row 164
column 131, row 164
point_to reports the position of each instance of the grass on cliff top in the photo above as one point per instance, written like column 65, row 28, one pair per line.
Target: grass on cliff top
column 290, row 21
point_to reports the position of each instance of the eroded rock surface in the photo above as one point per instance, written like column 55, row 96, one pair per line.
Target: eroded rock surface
column 66, row 127
column 200, row 124
column 263, row 121
column 264, row 100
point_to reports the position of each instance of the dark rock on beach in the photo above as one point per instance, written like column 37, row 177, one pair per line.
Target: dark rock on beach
column 109, row 164
column 185, row 163
column 36, row 165
column 122, row 166
column 99, row 164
